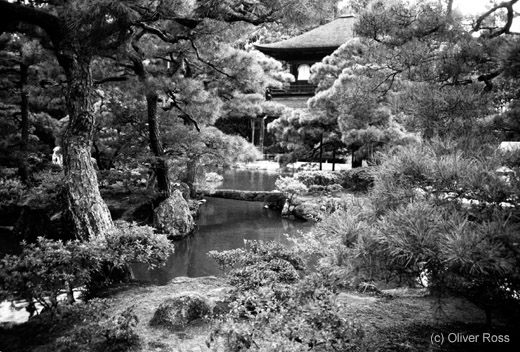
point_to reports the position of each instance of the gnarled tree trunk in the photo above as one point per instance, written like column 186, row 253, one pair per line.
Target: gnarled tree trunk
column 161, row 168
column 91, row 216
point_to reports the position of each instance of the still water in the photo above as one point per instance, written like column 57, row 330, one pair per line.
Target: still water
column 224, row 224
column 248, row 180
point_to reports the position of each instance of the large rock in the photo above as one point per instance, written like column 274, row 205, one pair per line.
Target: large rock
column 173, row 217
column 308, row 211
column 177, row 312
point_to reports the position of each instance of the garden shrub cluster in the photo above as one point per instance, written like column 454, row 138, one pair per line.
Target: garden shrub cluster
column 279, row 308
column 436, row 212
column 356, row 180
column 48, row 268
column 91, row 329
column 318, row 178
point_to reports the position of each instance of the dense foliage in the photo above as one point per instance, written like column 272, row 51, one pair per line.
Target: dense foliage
column 422, row 93
column 435, row 216
column 276, row 309
column 48, row 268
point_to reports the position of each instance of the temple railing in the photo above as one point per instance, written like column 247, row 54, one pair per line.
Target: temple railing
column 296, row 89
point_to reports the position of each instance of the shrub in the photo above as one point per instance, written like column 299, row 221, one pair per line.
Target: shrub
column 214, row 177
column 290, row 187
column 278, row 312
column 318, row 178
column 421, row 222
column 90, row 328
column 478, row 260
column 11, row 190
column 334, row 188
column 259, row 264
column 356, row 180
column 47, row 268
column 443, row 173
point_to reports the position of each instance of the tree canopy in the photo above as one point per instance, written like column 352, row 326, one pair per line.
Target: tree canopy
column 80, row 33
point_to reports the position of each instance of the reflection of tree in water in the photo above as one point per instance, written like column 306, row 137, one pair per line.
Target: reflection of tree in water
column 247, row 180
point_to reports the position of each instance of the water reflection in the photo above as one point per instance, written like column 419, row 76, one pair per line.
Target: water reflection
column 223, row 225
column 247, row 180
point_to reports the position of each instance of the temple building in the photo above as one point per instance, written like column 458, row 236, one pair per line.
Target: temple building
column 301, row 52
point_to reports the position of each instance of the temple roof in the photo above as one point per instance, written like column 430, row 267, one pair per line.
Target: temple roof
column 318, row 42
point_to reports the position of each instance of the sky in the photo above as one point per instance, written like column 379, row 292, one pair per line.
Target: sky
column 471, row 7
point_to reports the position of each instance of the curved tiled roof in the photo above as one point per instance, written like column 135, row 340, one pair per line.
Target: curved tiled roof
column 330, row 35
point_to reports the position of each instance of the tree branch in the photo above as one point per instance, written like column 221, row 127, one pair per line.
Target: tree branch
column 508, row 5
column 207, row 62
column 163, row 36
column 111, row 79
column 13, row 13
column 487, row 78
column 184, row 115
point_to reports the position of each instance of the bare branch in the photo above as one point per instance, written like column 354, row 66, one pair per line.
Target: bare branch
column 508, row 5
column 184, row 115
column 207, row 62
column 163, row 36
column 13, row 13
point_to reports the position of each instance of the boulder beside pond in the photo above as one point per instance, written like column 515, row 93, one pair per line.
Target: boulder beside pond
column 307, row 211
column 173, row 217
column 177, row 312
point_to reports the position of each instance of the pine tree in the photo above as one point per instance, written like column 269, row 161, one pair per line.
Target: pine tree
column 80, row 31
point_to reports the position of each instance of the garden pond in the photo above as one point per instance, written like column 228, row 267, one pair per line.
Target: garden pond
column 224, row 224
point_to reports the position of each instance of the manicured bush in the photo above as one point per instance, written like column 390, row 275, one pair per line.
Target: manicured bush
column 275, row 310
column 318, row 178
column 290, row 187
column 259, row 264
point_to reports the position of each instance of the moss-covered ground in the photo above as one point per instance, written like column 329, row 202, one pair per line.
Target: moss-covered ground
column 397, row 320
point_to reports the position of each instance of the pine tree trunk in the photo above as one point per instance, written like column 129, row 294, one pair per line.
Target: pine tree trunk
column 191, row 175
column 90, row 214
column 356, row 161
column 23, row 165
column 161, row 169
